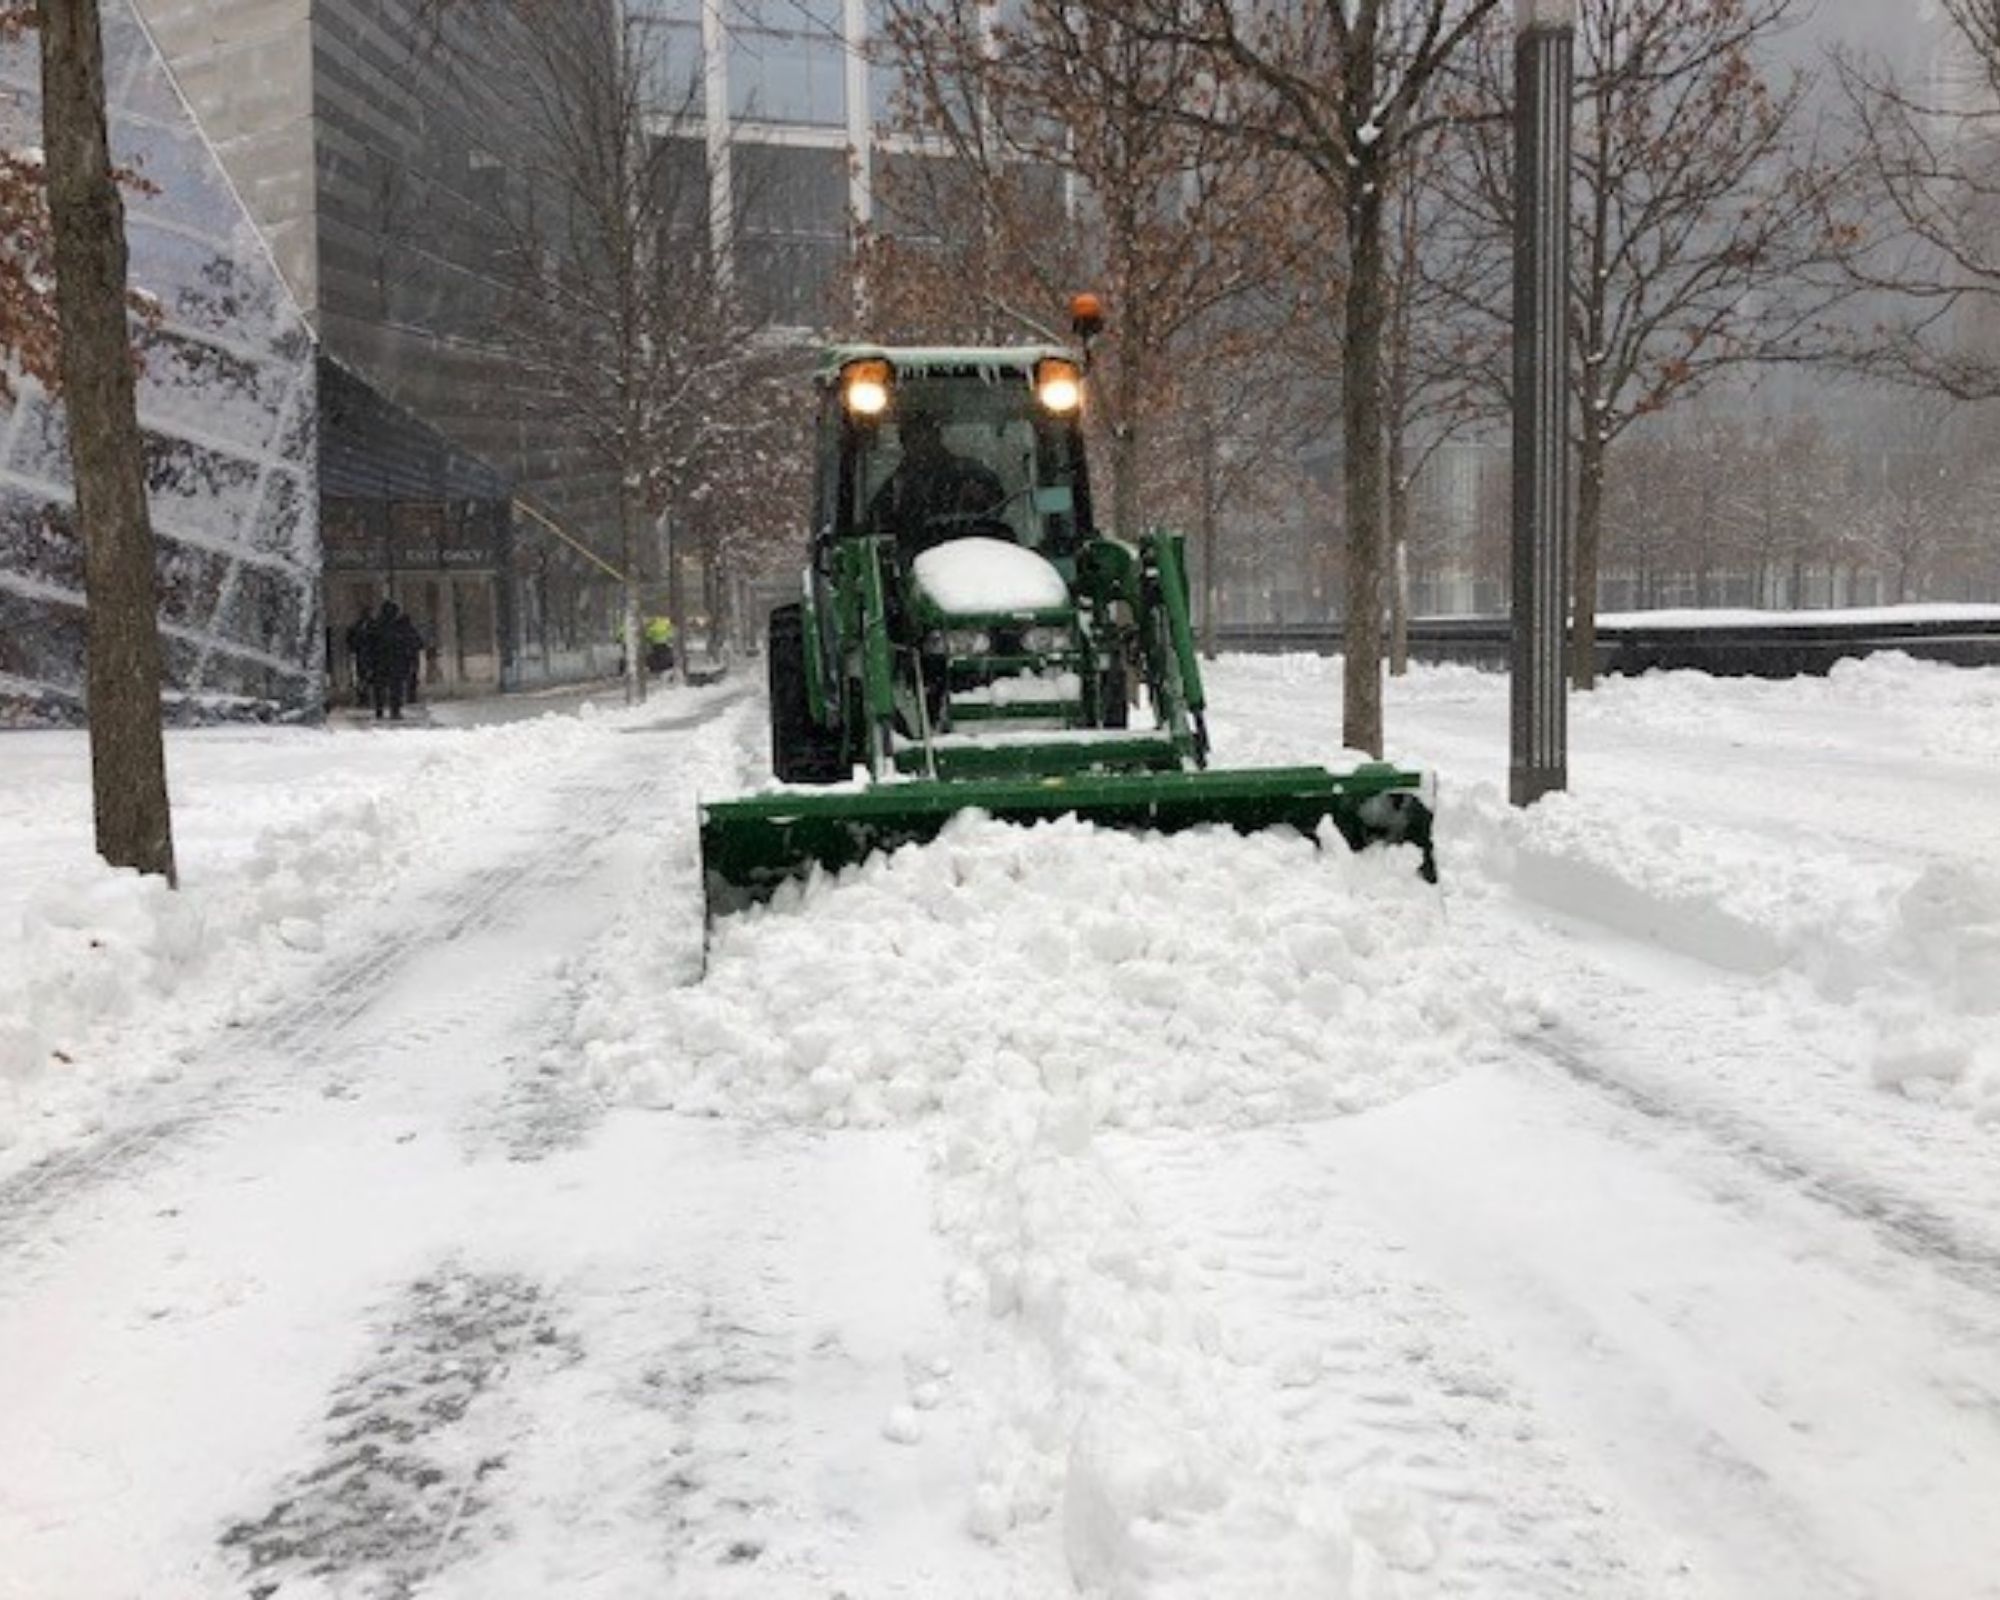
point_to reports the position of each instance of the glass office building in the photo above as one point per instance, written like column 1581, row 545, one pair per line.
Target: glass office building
column 792, row 118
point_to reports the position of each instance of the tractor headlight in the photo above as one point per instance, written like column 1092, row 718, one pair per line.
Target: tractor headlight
column 1043, row 641
column 1058, row 385
column 968, row 642
column 864, row 385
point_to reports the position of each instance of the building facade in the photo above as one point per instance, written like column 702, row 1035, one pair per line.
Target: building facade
column 793, row 102
column 330, row 418
column 381, row 155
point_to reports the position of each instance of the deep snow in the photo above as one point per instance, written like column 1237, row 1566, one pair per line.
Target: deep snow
column 412, row 1206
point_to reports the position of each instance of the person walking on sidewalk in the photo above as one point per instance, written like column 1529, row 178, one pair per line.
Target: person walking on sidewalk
column 361, row 653
column 398, row 647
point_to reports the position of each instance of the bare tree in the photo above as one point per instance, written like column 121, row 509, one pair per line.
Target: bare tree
column 1069, row 173
column 741, row 499
column 1790, row 501
column 1225, row 447
column 1928, row 154
column 1704, row 226
column 622, row 315
column 1435, row 357
column 1344, row 87
column 29, row 340
column 1918, row 511
column 87, row 226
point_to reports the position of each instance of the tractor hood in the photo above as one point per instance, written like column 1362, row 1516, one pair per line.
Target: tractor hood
column 988, row 578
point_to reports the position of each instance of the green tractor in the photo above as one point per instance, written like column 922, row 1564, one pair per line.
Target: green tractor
column 969, row 638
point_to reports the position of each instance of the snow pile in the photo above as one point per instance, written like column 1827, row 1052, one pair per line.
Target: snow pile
column 94, row 947
column 1028, row 1000
column 1092, row 977
column 1908, row 953
column 1885, row 708
column 983, row 577
column 1746, row 903
column 1931, row 1012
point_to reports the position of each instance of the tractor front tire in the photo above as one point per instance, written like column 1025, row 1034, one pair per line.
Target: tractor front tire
column 801, row 750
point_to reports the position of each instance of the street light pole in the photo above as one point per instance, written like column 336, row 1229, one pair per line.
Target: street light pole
column 1544, row 70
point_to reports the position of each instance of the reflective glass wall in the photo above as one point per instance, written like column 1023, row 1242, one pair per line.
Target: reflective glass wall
column 228, row 401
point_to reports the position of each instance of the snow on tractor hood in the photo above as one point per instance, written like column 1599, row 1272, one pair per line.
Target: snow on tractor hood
column 988, row 577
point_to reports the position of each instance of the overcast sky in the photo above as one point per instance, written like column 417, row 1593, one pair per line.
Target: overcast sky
column 1891, row 26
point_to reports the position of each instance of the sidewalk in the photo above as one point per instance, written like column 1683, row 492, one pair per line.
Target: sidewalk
column 520, row 705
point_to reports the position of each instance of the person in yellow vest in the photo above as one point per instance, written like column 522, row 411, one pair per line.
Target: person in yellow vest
column 658, row 633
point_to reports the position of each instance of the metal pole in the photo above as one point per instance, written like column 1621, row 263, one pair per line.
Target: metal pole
column 1544, row 62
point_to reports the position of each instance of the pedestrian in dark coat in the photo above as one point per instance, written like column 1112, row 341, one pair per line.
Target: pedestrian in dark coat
column 362, row 652
column 398, row 646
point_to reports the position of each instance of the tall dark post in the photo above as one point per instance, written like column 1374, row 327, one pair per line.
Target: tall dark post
column 1544, row 60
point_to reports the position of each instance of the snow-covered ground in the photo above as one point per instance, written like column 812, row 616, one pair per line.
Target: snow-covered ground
column 412, row 1206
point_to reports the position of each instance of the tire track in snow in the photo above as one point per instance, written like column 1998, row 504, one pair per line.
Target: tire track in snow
column 1377, row 1392
column 1907, row 1226
column 1919, row 1228
column 305, row 1032
column 1805, row 1421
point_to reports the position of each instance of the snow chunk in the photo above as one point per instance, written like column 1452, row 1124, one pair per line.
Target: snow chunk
column 1097, row 979
column 979, row 577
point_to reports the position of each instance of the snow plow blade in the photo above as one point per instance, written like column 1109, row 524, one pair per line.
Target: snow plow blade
column 750, row 847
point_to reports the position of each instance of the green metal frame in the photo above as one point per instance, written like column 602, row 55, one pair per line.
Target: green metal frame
column 751, row 847
column 1132, row 604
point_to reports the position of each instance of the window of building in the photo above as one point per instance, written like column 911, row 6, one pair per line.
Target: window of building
column 645, row 12
column 885, row 76
column 673, row 54
column 788, row 77
column 792, row 214
column 791, row 282
column 786, row 16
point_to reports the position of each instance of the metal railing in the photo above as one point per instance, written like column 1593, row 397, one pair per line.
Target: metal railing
column 1731, row 650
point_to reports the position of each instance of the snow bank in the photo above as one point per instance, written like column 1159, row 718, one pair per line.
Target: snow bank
column 110, row 977
column 1907, row 951
column 1824, row 836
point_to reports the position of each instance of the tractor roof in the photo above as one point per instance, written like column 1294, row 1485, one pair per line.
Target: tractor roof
column 943, row 359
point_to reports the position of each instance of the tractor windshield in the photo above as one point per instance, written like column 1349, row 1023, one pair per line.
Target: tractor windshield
column 970, row 455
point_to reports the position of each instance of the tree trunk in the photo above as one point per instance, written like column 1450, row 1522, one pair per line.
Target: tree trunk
column 721, row 592
column 1361, row 383
column 1589, row 550
column 1125, row 512
column 127, row 751
column 677, row 607
column 1210, row 518
column 635, row 642
column 1399, row 558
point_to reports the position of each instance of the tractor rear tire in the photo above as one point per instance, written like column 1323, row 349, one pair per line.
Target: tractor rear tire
column 801, row 750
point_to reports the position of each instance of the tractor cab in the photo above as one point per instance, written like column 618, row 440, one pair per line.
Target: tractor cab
column 966, row 469
column 924, row 446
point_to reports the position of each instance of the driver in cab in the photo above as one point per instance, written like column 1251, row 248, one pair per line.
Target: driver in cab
column 933, row 495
